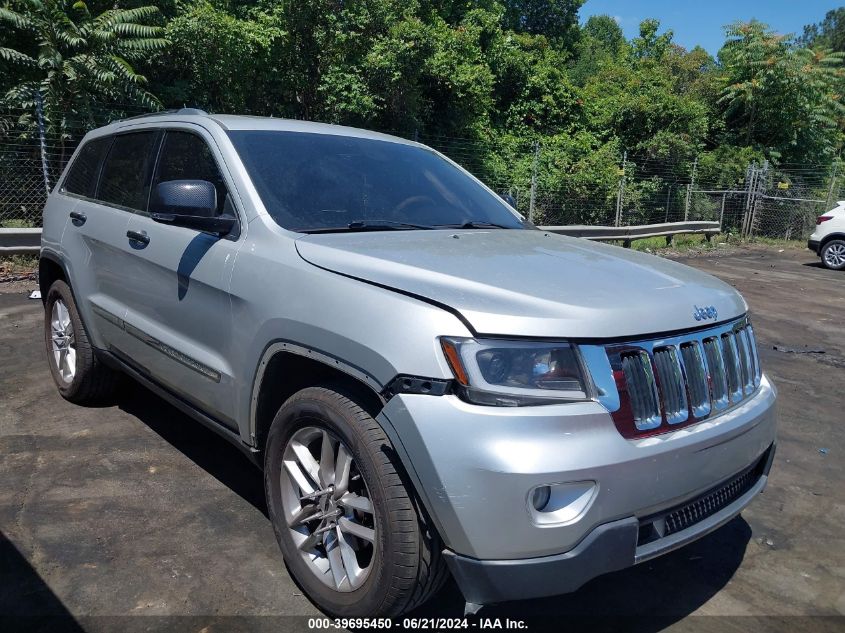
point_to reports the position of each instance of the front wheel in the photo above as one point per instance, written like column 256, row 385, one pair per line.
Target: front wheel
column 347, row 524
column 833, row 255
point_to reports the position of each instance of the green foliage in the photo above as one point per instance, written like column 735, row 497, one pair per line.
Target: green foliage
column 217, row 59
column 829, row 33
column 781, row 99
column 483, row 80
column 552, row 18
column 75, row 58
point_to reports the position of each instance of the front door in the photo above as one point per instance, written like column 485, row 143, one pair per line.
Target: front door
column 179, row 309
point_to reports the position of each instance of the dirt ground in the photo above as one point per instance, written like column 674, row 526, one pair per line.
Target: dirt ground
column 135, row 510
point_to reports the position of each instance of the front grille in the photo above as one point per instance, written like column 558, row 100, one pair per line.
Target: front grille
column 672, row 382
column 708, row 504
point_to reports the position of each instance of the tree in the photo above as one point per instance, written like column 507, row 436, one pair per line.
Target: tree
column 781, row 98
column 601, row 42
column 220, row 61
column 77, row 60
column 650, row 45
column 605, row 32
column 829, row 33
column 552, row 18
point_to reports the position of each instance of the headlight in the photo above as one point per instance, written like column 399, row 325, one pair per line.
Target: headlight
column 508, row 373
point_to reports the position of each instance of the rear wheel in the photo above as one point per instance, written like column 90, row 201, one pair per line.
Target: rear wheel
column 833, row 254
column 79, row 375
column 347, row 524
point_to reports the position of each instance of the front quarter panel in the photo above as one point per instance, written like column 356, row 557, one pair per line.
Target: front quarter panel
column 278, row 297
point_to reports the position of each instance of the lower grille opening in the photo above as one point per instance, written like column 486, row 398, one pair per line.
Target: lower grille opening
column 681, row 517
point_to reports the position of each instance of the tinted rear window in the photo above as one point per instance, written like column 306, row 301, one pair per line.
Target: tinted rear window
column 313, row 181
column 82, row 177
column 125, row 180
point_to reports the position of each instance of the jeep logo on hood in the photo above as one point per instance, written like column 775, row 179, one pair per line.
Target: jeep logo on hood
column 707, row 312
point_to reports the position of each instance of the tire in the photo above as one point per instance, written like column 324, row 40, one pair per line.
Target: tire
column 79, row 375
column 833, row 255
column 404, row 561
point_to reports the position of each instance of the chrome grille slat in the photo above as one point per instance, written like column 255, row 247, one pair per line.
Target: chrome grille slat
column 636, row 367
column 716, row 373
column 676, row 380
column 696, row 378
column 731, row 358
column 672, row 387
column 754, row 357
column 745, row 362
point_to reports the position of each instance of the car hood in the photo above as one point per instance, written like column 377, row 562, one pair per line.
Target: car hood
column 530, row 283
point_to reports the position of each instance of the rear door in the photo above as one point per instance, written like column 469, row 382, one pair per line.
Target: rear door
column 178, row 306
column 108, row 180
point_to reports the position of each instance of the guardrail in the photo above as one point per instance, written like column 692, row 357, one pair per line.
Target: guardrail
column 627, row 234
column 20, row 241
column 28, row 241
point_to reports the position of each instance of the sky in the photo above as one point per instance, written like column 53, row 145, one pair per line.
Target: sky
column 701, row 21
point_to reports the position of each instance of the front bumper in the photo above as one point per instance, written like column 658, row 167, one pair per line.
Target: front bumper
column 474, row 468
column 609, row 547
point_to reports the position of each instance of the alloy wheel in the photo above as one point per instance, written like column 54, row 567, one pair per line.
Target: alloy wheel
column 834, row 255
column 328, row 508
column 63, row 341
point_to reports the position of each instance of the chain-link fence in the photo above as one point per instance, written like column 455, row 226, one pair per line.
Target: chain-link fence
column 33, row 154
column 547, row 185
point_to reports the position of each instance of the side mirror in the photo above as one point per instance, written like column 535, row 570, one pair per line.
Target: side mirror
column 508, row 198
column 189, row 203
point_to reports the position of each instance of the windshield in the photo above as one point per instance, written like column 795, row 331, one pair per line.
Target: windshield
column 312, row 182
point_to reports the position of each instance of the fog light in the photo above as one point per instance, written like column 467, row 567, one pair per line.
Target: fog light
column 559, row 504
column 540, row 497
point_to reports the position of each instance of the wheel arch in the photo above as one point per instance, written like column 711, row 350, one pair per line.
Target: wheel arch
column 286, row 368
column 828, row 238
column 50, row 269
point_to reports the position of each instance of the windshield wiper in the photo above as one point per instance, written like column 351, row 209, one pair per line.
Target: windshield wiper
column 368, row 225
column 472, row 224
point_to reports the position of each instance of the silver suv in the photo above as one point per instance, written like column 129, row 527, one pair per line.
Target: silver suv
column 431, row 384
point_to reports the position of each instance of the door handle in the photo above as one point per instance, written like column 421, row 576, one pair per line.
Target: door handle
column 78, row 218
column 139, row 237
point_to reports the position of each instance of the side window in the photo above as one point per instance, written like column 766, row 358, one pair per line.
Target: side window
column 82, row 177
column 186, row 156
column 125, row 180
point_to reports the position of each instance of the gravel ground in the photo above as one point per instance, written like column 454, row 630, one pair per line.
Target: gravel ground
column 133, row 509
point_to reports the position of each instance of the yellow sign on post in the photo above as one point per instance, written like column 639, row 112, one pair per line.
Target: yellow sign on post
column 783, row 185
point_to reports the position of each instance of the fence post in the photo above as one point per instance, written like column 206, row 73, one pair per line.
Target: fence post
column 759, row 184
column 750, row 177
column 722, row 213
column 533, row 181
column 39, row 115
column 689, row 189
column 832, row 185
column 620, row 194
column 668, row 196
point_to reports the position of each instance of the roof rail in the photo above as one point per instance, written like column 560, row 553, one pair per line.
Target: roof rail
column 181, row 111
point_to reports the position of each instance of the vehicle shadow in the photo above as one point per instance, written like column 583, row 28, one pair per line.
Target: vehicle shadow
column 201, row 445
column 647, row 597
column 26, row 602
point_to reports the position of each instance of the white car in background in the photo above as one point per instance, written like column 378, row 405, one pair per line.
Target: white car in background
column 828, row 240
